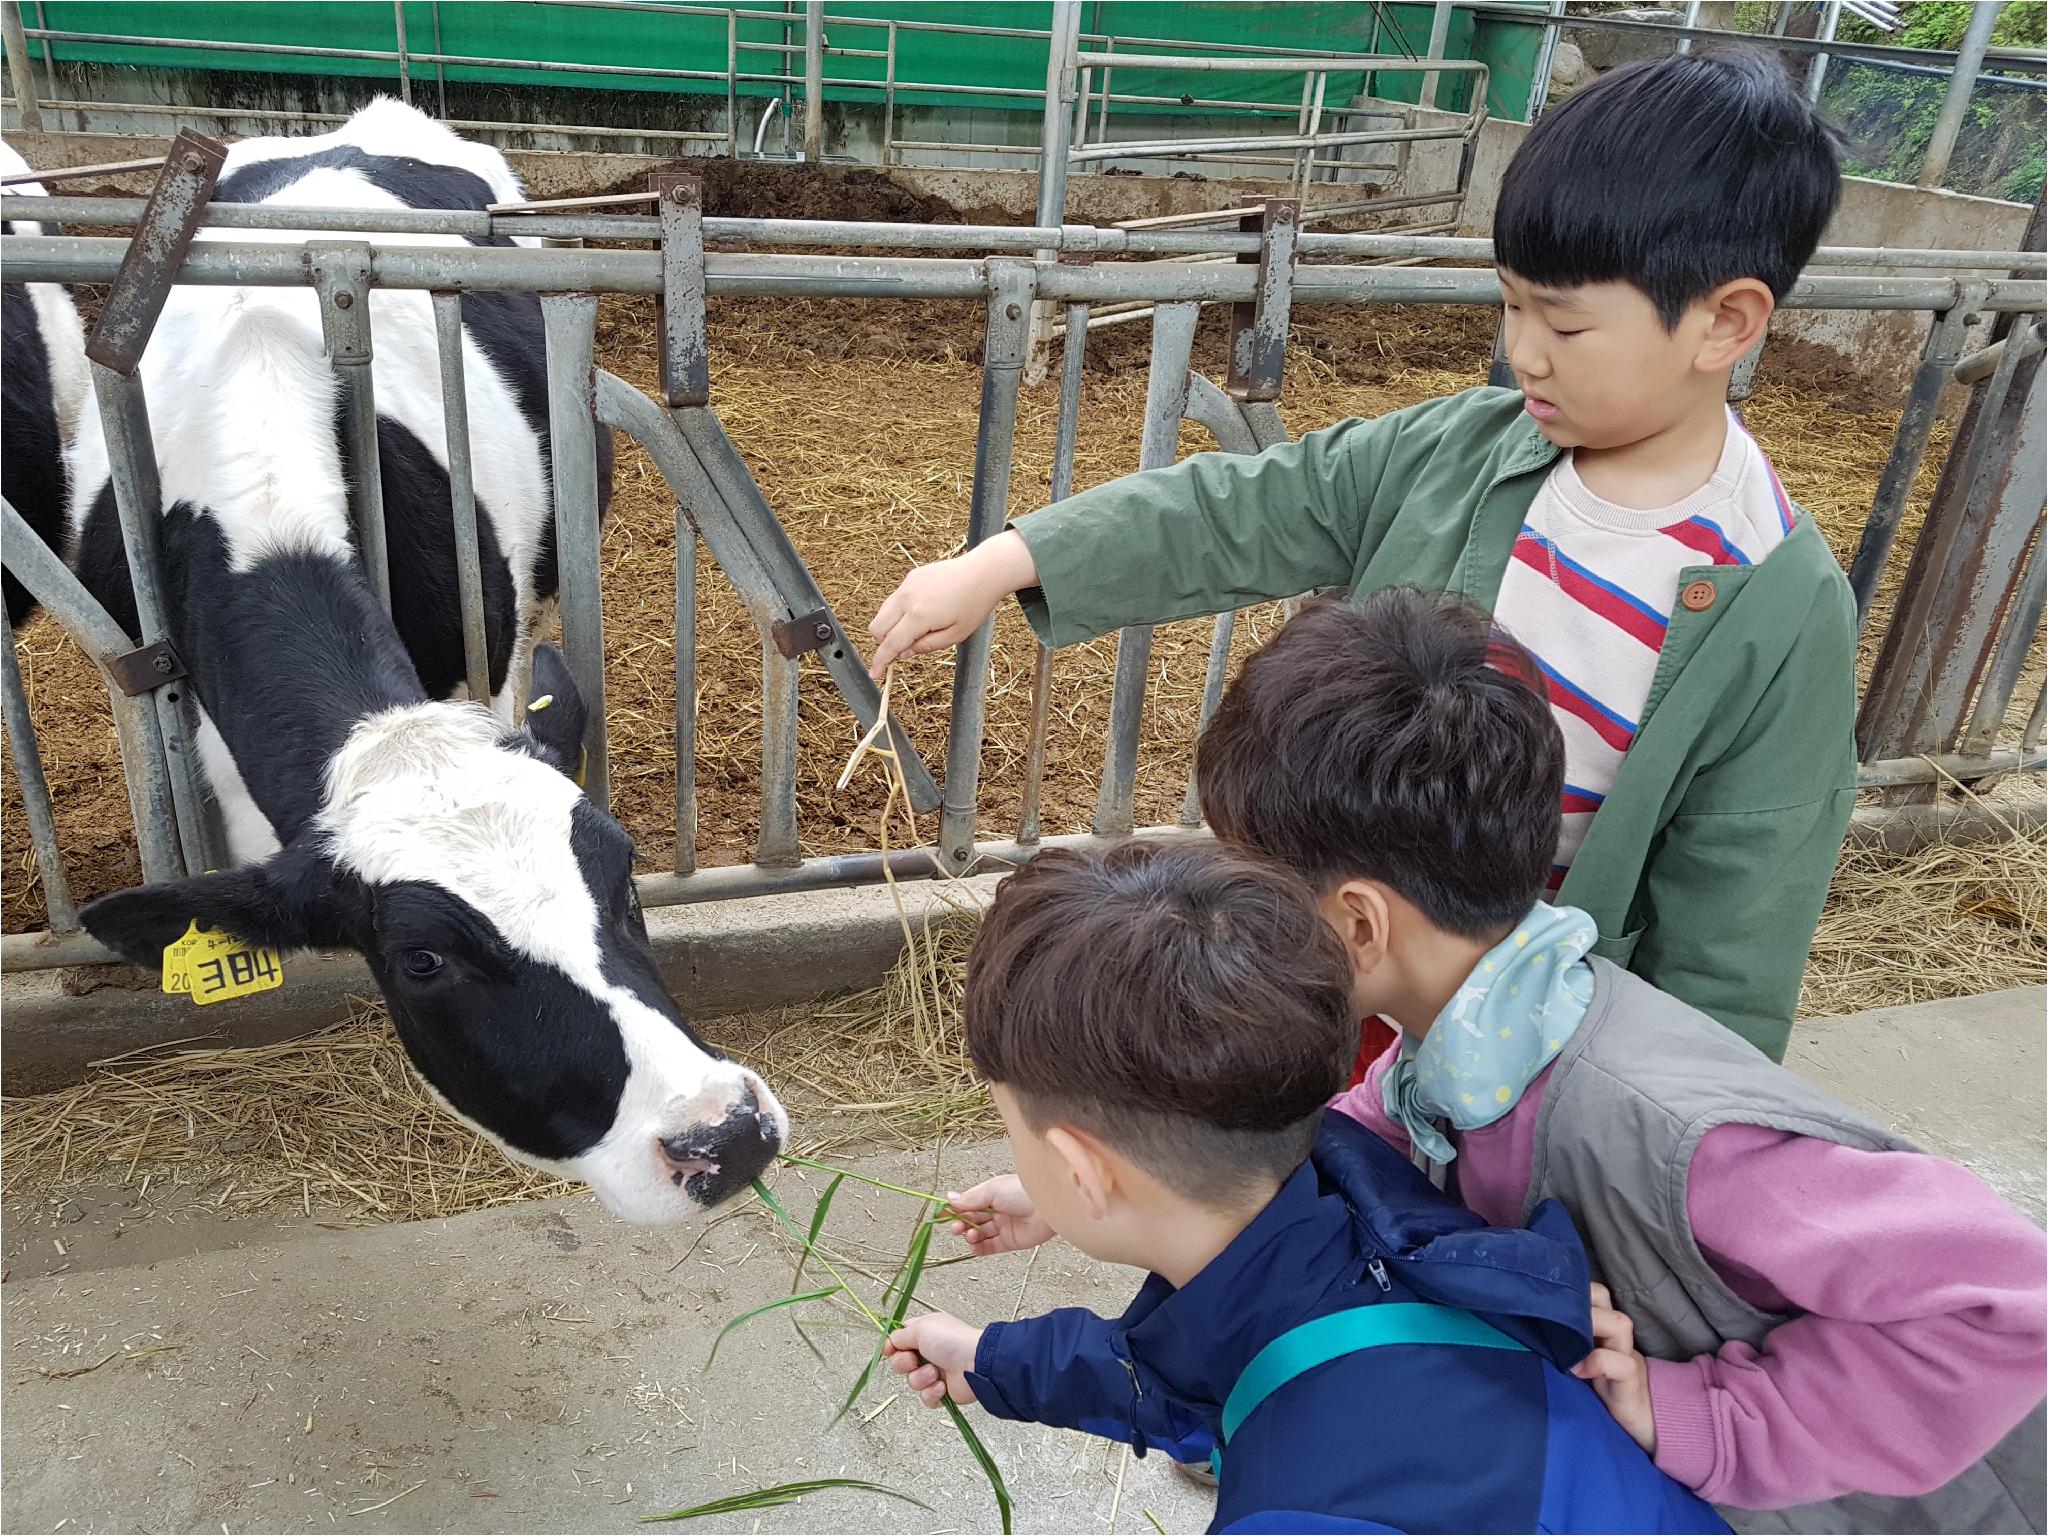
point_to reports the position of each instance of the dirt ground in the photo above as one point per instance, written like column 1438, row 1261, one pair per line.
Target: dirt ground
column 858, row 419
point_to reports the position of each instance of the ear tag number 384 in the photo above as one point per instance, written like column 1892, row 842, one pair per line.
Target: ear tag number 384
column 212, row 967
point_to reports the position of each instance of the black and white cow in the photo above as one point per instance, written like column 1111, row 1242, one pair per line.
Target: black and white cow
column 43, row 385
column 366, row 806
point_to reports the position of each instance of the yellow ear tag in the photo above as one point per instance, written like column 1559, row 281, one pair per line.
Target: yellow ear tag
column 215, row 967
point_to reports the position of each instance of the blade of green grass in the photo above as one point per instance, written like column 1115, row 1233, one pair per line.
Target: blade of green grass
column 860, row 1384
column 861, row 1178
column 770, row 1306
column 904, row 1285
column 768, row 1199
column 817, row 1225
column 1155, row 1522
column 989, row 1469
column 780, row 1494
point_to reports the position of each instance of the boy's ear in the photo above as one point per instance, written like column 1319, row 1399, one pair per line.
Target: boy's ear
column 1737, row 314
column 1087, row 1163
column 1358, row 913
column 296, row 899
column 555, row 713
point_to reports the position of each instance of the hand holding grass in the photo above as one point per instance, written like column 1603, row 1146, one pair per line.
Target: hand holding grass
column 935, row 1352
column 998, row 1217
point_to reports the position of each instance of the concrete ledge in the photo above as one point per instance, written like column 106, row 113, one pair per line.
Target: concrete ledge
column 716, row 958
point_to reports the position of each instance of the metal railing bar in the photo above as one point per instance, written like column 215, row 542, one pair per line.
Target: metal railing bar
column 2022, row 627
column 1138, row 237
column 1166, row 395
column 2030, row 738
column 777, row 846
column 686, row 693
column 273, row 115
column 570, row 323
column 1174, row 149
column 469, row 571
column 144, row 766
column 1940, row 767
column 1004, row 353
column 35, row 792
column 340, row 274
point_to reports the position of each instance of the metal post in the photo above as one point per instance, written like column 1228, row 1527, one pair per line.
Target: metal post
column 469, row 570
column 138, row 499
column 1166, row 399
column 35, row 792
column 1439, row 34
column 21, row 75
column 814, row 81
column 1963, row 80
column 777, row 846
column 570, row 321
column 2022, row 624
column 732, row 85
column 686, row 693
column 440, row 73
column 889, row 97
column 1817, row 71
column 1064, row 39
column 1010, row 294
column 1073, row 356
column 1546, row 58
column 1692, row 19
column 1909, row 447
column 341, row 276
column 404, row 72
column 1742, row 377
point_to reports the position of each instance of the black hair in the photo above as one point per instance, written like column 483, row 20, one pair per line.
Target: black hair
column 1182, row 1002
column 1673, row 175
column 1403, row 739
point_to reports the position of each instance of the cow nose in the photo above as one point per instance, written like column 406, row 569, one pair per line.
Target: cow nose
column 711, row 1163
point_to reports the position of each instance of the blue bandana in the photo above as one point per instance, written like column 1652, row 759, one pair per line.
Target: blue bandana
column 1506, row 1024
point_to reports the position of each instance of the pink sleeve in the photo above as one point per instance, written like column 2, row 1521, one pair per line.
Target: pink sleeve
column 1921, row 1339
column 1365, row 1105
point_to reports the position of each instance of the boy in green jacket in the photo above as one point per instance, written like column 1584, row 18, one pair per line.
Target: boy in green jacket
column 1694, row 631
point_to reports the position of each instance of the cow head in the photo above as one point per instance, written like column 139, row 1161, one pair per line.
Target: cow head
column 495, row 905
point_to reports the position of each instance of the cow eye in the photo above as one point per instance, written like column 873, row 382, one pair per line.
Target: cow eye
column 420, row 963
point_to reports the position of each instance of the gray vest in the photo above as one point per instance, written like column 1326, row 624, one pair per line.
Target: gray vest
column 1640, row 1082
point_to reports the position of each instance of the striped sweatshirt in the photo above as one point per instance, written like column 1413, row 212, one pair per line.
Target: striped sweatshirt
column 1590, row 592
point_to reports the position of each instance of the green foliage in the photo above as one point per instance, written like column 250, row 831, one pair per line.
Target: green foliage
column 780, row 1494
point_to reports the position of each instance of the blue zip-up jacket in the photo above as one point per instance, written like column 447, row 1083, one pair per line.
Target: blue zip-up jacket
column 1404, row 1437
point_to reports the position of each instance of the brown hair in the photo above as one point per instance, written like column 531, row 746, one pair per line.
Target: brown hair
column 1403, row 739
column 1183, row 1002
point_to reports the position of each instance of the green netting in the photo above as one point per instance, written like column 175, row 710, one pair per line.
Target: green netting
column 941, row 62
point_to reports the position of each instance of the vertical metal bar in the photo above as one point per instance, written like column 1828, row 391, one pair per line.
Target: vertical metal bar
column 1963, row 80
column 1102, row 115
column 1010, row 296
column 469, row 570
column 814, row 81
column 684, row 347
column 1074, row 345
column 889, row 98
column 1063, row 40
column 570, row 321
column 1166, row 399
column 1546, row 59
column 777, row 847
column 1909, row 446
column 1817, row 71
column 686, row 693
column 2022, row 625
column 138, row 499
column 1692, row 19
column 341, row 276
column 1078, row 136
column 144, row 768
column 1315, row 126
column 404, row 71
column 732, row 85
column 21, row 74
column 1258, row 330
column 2030, row 738
column 1439, row 34
column 1303, row 156
column 35, row 792
column 1742, row 378
column 440, row 74
column 1500, row 373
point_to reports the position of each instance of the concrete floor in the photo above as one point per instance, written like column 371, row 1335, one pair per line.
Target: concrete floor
column 542, row 1367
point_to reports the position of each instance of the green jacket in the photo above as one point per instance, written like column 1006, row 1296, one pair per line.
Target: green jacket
column 1707, row 864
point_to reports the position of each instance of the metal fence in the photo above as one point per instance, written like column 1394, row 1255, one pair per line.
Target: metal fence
column 1952, row 657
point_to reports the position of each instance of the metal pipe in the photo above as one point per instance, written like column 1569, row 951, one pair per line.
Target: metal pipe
column 1940, row 767
column 814, row 81
column 732, row 87
column 1166, row 398
column 440, row 74
column 686, row 693
column 144, row 768
column 1691, row 20
column 1439, row 34
column 1969, row 63
column 404, row 74
column 1059, row 98
column 1909, row 447
column 1004, row 354
column 21, row 73
column 2022, row 627
column 341, row 276
column 1073, row 357
column 2030, row 738
column 1546, row 58
column 469, row 570
column 35, row 791
column 570, row 323
column 138, row 500
column 1816, row 72
column 889, row 100
column 777, row 846
column 1980, row 365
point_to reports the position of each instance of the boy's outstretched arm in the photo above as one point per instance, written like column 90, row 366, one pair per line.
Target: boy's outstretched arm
column 1065, row 1369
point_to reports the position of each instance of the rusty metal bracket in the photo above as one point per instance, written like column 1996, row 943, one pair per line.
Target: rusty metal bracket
column 139, row 672
column 685, row 346
column 806, row 632
column 169, row 220
column 1258, row 330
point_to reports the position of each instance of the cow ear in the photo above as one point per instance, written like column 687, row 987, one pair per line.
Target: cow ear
column 296, row 899
column 556, row 715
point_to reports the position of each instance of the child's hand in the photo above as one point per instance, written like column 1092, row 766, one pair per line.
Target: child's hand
column 1619, row 1372
column 1001, row 1217
column 936, row 1352
column 943, row 603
